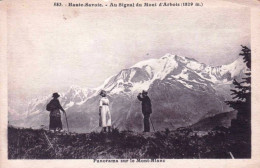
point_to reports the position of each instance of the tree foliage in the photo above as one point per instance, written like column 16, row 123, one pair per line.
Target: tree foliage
column 241, row 93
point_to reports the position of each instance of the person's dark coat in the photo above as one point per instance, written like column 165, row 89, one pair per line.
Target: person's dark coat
column 55, row 105
column 146, row 104
column 55, row 115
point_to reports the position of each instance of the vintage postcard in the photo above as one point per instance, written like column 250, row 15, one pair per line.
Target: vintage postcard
column 129, row 83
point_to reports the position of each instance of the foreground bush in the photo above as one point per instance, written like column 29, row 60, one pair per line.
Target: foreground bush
column 182, row 143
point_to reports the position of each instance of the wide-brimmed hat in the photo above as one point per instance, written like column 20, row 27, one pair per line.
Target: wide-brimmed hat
column 55, row 95
column 102, row 92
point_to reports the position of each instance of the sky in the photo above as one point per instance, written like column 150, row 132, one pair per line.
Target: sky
column 51, row 49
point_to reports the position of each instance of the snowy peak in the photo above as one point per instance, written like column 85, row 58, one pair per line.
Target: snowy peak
column 74, row 96
column 171, row 68
column 77, row 94
column 158, row 68
column 234, row 68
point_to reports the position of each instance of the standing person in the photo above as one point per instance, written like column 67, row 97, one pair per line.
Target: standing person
column 55, row 116
column 104, row 112
column 146, row 109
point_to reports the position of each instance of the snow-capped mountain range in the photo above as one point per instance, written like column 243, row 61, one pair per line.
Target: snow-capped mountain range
column 182, row 91
column 172, row 67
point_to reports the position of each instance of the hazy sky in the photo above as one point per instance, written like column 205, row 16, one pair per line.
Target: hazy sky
column 50, row 49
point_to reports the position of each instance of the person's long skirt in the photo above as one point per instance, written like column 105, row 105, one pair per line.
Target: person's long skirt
column 105, row 116
column 55, row 120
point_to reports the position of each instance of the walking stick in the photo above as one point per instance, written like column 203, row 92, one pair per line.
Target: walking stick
column 67, row 122
column 152, row 124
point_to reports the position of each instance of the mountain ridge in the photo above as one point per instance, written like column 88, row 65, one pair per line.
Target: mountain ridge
column 173, row 74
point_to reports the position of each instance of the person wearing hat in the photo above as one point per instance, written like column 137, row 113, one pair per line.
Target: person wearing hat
column 104, row 112
column 146, row 109
column 55, row 116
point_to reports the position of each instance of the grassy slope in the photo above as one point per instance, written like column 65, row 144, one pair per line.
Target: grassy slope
column 209, row 123
column 32, row 144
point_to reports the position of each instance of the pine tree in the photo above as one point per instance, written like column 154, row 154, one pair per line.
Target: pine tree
column 241, row 95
